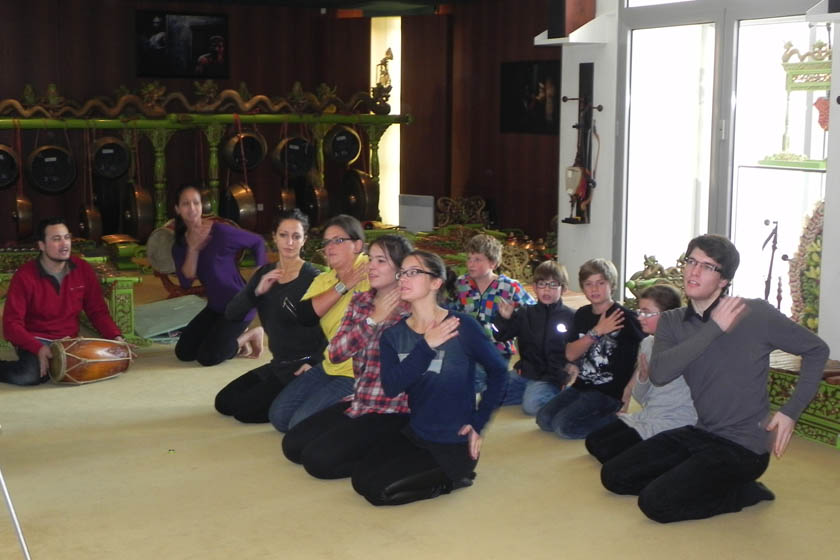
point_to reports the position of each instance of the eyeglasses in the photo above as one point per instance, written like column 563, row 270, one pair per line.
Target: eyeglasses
column 543, row 284
column 334, row 241
column 648, row 314
column 412, row 272
column 691, row 262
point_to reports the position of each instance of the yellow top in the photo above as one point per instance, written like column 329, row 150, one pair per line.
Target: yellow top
column 332, row 318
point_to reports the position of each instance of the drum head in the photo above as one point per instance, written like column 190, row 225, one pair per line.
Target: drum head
column 342, row 144
column 159, row 250
column 9, row 166
column 252, row 144
column 58, row 362
column 293, row 156
column 51, row 169
column 111, row 157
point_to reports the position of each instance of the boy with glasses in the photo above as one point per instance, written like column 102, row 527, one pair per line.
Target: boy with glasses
column 541, row 330
column 721, row 346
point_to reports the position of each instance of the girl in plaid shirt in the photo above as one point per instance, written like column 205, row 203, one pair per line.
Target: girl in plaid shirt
column 331, row 442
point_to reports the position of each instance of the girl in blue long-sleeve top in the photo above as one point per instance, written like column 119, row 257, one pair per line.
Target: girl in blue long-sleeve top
column 431, row 356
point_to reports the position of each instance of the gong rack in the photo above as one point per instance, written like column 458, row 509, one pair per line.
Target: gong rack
column 146, row 113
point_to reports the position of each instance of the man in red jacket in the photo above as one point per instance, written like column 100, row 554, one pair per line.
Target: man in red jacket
column 43, row 303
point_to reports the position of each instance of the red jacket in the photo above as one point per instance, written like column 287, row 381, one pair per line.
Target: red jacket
column 37, row 307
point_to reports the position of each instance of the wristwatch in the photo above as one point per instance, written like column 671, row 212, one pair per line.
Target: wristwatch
column 370, row 322
column 340, row 288
column 593, row 334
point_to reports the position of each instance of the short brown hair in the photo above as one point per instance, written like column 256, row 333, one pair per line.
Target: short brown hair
column 486, row 245
column 552, row 270
column 598, row 266
column 665, row 296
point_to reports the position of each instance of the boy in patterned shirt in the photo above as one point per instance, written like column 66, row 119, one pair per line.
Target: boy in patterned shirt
column 478, row 293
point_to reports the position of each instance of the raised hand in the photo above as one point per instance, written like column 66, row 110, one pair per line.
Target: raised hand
column 197, row 238
column 505, row 307
column 728, row 312
column 610, row 322
column 250, row 343
column 440, row 332
column 385, row 305
column 356, row 274
column 474, row 440
column 268, row 280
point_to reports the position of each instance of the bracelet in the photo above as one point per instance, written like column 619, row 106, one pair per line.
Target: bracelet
column 592, row 333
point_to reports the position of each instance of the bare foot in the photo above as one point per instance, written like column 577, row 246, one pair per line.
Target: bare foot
column 250, row 343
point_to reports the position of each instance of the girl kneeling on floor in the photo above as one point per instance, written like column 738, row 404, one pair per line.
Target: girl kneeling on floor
column 432, row 357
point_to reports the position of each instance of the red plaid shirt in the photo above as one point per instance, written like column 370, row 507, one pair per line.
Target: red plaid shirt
column 360, row 341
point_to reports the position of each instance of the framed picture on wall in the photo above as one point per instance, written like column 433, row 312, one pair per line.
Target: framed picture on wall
column 530, row 97
column 181, row 45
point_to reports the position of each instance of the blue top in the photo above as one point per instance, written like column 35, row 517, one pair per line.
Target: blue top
column 217, row 268
column 440, row 383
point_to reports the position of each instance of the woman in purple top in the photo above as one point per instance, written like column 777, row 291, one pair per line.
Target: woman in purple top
column 207, row 250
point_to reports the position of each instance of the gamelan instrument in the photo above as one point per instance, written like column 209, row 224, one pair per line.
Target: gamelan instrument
column 76, row 361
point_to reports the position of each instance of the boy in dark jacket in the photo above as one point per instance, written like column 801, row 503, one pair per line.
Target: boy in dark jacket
column 541, row 330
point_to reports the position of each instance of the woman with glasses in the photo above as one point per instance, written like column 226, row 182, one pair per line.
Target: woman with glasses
column 207, row 250
column 275, row 290
column 541, row 331
column 331, row 442
column 663, row 408
column 324, row 303
column 431, row 356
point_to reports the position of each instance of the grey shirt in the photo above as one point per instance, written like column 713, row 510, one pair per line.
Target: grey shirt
column 727, row 372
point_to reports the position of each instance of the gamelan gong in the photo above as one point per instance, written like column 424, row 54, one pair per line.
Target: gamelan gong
column 9, row 166
column 294, row 156
column 342, row 144
column 111, row 157
column 250, row 144
column 237, row 204
column 51, row 169
column 359, row 195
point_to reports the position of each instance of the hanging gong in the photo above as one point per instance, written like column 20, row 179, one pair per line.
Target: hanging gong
column 138, row 211
column 22, row 215
column 90, row 223
column 312, row 201
column 359, row 195
column 9, row 166
column 288, row 200
column 111, row 157
column 342, row 144
column 252, row 144
column 294, row 156
column 237, row 204
column 51, row 169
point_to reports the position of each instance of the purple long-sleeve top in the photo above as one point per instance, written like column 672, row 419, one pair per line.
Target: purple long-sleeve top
column 217, row 267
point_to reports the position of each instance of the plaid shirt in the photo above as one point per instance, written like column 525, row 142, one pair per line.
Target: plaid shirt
column 483, row 306
column 360, row 341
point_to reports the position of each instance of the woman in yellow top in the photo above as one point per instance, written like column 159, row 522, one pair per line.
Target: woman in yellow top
column 317, row 387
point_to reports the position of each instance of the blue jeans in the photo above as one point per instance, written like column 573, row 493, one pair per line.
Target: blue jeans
column 686, row 473
column 310, row 392
column 537, row 394
column 573, row 414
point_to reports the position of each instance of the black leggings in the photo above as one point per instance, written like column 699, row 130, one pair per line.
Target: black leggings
column 25, row 371
column 406, row 469
column 329, row 444
column 612, row 439
column 248, row 397
column 209, row 338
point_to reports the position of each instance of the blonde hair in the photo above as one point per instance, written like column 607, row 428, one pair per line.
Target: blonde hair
column 486, row 245
column 598, row 266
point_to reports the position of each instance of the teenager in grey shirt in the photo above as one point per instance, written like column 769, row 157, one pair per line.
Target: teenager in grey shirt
column 721, row 346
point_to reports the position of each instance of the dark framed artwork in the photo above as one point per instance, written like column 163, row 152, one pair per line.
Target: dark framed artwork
column 181, row 45
column 530, row 97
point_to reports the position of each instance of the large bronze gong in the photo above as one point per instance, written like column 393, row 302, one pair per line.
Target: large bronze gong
column 342, row 144
column 293, row 156
column 250, row 144
column 237, row 203
column 9, row 166
column 111, row 157
column 358, row 196
column 51, row 169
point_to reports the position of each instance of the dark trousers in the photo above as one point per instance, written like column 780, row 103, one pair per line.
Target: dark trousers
column 24, row 371
column 574, row 414
column 612, row 439
column 329, row 444
column 209, row 338
column 686, row 473
column 406, row 469
column 248, row 397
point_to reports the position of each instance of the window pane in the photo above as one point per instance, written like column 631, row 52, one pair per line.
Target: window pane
column 668, row 141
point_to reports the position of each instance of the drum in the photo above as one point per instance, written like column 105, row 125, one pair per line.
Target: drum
column 84, row 360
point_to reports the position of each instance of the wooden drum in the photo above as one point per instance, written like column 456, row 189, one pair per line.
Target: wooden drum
column 84, row 360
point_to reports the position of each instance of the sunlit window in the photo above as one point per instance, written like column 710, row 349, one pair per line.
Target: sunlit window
column 386, row 33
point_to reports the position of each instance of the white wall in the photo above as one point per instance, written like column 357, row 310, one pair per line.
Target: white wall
column 578, row 243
